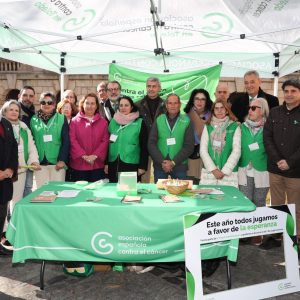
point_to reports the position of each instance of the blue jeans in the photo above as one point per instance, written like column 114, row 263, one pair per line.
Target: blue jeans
column 160, row 174
column 28, row 183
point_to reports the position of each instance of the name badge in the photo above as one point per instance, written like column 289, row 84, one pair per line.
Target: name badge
column 171, row 141
column 217, row 143
column 253, row 146
column 47, row 138
column 113, row 137
column 20, row 148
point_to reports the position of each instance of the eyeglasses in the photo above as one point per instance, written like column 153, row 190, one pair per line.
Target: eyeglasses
column 46, row 102
column 199, row 99
column 113, row 89
column 254, row 107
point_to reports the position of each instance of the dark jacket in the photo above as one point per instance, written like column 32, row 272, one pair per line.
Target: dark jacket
column 282, row 140
column 27, row 113
column 8, row 159
column 145, row 111
column 240, row 103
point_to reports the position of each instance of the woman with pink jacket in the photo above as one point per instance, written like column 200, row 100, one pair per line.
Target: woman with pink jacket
column 89, row 141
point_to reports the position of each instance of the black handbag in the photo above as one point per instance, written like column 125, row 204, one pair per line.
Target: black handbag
column 196, row 152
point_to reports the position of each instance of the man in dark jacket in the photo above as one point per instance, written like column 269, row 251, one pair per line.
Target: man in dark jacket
column 8, row 169
column 240, row 101
column 150, row 107
column 282, row 144
column 26, row 99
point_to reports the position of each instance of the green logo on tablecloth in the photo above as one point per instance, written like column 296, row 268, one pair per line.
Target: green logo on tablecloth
column 99, row 243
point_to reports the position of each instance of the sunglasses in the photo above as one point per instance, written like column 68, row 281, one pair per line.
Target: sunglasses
column 254, row 107
column 46, row 102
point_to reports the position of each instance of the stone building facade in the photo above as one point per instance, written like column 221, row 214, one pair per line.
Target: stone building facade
column 14, row 75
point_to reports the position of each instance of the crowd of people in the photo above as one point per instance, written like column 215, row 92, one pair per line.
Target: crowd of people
column 246, row 140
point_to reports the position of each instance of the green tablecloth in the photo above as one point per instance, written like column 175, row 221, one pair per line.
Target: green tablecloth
column 76, row 230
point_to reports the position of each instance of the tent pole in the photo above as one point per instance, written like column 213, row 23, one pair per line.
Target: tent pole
column 276, row 73
column 62, row 73
column 62, row 84
column 276, row 81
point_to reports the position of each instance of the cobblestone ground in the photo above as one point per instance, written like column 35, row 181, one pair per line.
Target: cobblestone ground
column 21, row 281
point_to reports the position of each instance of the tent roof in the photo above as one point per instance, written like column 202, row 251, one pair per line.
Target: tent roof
column 83, row 37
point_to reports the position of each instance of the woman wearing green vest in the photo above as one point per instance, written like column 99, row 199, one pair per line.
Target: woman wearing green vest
column 220, row 147
column 50, row 131
column 27, row 153
column 128, row 141
column 252, row 174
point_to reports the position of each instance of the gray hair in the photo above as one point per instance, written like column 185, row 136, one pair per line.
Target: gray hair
column 173, row 94
column 102, row 83
column 47, row 94
column 7, row 104
column 252, row 72
column 154, row 79
column 264, row 106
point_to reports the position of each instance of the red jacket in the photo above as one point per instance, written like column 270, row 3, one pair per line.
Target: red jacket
column 88, row 138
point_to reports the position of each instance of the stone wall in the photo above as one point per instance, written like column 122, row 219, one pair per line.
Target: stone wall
column 15, row 76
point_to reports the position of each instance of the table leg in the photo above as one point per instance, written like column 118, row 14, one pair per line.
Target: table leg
column 228, row 274
column 42, row 271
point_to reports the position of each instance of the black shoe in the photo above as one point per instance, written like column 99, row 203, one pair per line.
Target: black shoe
column 270, row 243
column 4, row 251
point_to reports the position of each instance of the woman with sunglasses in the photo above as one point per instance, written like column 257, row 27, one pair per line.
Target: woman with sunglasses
column 50, row 131
column 198, row 109
column 252, row 174
column 220, row 147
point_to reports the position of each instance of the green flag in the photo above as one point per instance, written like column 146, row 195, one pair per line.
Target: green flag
column 134, row 82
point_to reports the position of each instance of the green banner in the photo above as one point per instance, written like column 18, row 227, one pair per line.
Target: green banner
column 134, row 82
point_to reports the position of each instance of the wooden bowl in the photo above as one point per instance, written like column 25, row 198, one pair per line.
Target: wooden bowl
column 176, row 189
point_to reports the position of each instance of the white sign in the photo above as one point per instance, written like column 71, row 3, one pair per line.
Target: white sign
column 225, row 226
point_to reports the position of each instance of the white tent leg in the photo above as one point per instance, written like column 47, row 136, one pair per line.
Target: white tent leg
column 276, row 81
column 62, row 84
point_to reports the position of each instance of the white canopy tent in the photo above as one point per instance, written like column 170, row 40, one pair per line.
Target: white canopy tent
column 155, row 36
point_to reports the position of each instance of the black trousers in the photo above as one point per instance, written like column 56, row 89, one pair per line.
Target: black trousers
column 3, row 213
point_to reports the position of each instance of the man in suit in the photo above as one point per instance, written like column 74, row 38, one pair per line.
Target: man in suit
column 240, row 101
column 108, row 96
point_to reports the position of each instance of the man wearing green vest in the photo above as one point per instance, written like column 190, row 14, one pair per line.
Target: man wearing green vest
column 171, row 141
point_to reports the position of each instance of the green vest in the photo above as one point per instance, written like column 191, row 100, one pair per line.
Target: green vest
column 24, row 137
column 258, row 157
column 39, row 129
column 127, row 144
column 164, row 133
column 220, row 160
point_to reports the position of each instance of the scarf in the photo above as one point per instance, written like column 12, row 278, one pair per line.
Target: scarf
column 122, row 119
column 198, row 119
column 218, row 133
column 45, row 117
column 255, row 127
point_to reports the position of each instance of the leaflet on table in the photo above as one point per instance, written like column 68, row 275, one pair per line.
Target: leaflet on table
column 45, row 197
column 208, row 191
column 68, row 193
